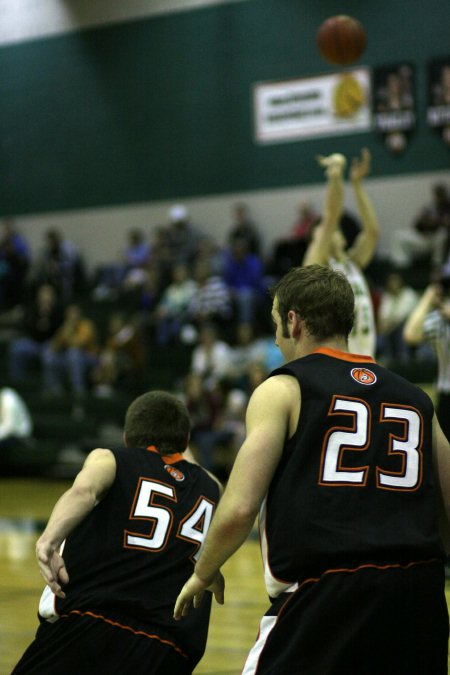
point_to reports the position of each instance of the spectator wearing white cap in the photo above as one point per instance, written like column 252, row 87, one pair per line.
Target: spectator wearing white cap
column 183, row 237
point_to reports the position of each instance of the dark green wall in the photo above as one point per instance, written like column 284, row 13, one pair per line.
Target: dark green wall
column 162, row 108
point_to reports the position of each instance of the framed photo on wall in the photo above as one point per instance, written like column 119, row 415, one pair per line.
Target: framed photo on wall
column 438, row 113
column 394, row 104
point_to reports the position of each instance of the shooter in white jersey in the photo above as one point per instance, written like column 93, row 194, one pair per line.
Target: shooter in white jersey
column 329, row 247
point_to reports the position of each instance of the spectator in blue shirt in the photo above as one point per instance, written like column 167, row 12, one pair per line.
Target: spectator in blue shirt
column 14, row 264
column 244, row 275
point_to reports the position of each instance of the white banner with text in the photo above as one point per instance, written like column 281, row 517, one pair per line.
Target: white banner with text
column 324, row 105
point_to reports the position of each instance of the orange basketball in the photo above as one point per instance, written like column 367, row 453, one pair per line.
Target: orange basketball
column 341, row 40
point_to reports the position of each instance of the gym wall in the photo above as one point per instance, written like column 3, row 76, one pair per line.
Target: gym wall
column 105, row 127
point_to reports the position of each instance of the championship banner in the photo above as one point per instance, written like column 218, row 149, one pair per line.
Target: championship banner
column 314, row 106
column 438, row 113
column 394, row 104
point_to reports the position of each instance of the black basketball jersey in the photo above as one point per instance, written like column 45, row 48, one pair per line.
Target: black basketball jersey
column 131, row 556
column 355, row 483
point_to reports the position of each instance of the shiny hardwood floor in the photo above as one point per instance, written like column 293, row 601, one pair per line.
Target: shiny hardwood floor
column 24, row 508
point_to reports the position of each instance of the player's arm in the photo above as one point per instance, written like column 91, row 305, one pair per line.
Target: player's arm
column 89, row 487
column 319, row 250
column 441, row 461
column 364, row 246
column 413, row 333
column 268, row 420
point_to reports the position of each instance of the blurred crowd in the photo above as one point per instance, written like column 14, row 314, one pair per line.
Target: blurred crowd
column 176, row 285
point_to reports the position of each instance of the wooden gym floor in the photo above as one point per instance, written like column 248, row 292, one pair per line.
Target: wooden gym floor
column 25, row 504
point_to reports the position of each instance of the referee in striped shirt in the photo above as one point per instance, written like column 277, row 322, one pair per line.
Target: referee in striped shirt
column 430, row 322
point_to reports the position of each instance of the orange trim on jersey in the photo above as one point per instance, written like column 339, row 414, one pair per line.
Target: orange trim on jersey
column 173, row 459
column 344, row 356
column 132, row 630
column 351, row 570
column 168, row 459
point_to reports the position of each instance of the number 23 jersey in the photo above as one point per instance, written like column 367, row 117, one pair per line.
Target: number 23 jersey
column 355, row 483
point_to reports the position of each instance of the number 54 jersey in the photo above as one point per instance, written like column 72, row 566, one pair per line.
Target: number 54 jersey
column 128, row 560
column 355, row 483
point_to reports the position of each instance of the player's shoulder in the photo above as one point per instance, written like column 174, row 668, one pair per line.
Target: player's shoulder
column 192, row 471
column 277, row 389
column 399, row 383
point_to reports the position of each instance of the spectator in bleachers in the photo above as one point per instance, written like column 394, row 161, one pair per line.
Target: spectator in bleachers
column 204, row 407
column 243, row 273
column 229, row 431
column 137, row 256
column 162, row 258
column 42, row 317
column 16, row 425
column 171, row 311
column 244, row 228
column 272, row 356
column 183, row 236
column 212, row 300
column 123, row 358
column 60, row 264
column 251, row 354
column 248, row 349
column 210, row 251
column 146, row 300
column 211, row 358
column 429, row 235
column 128, row 271
column 306, row 218
column 288, row 250
column 430, row 323
column 396, row 304
column 71, row 354
column 14, row 265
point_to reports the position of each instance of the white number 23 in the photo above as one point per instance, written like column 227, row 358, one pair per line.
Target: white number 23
column 406, row 445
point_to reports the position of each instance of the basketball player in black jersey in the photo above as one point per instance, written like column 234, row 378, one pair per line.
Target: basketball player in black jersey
column 130, row 529
column 350, row 472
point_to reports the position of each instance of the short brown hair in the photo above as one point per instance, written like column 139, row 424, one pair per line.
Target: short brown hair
column 158, row 419
column 321, row 296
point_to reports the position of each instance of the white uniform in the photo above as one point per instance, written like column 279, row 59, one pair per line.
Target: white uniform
column 362, row 339
column 15, row 420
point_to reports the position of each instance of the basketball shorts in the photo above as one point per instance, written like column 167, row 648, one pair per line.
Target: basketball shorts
column 82, row 644
column 367, row 621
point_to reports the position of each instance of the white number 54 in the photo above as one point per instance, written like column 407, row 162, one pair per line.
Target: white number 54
column 192, row 528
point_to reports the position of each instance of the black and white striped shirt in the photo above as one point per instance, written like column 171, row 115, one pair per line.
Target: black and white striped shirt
column 437, row 332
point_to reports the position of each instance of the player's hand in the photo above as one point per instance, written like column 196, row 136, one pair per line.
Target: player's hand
column 52, row 567
column 334, row 164
column 360, row 167
column 193, row 591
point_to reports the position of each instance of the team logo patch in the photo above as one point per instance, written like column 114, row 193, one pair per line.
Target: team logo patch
column 175, row 473
column 363, row 375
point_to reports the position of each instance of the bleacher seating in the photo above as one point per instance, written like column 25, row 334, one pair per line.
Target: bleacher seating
column 64, row 427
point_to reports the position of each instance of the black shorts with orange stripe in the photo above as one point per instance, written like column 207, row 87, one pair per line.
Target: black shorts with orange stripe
column 92, row 644
column 365, row 621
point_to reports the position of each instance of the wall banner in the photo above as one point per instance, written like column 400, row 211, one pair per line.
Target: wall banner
column 324, row 105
